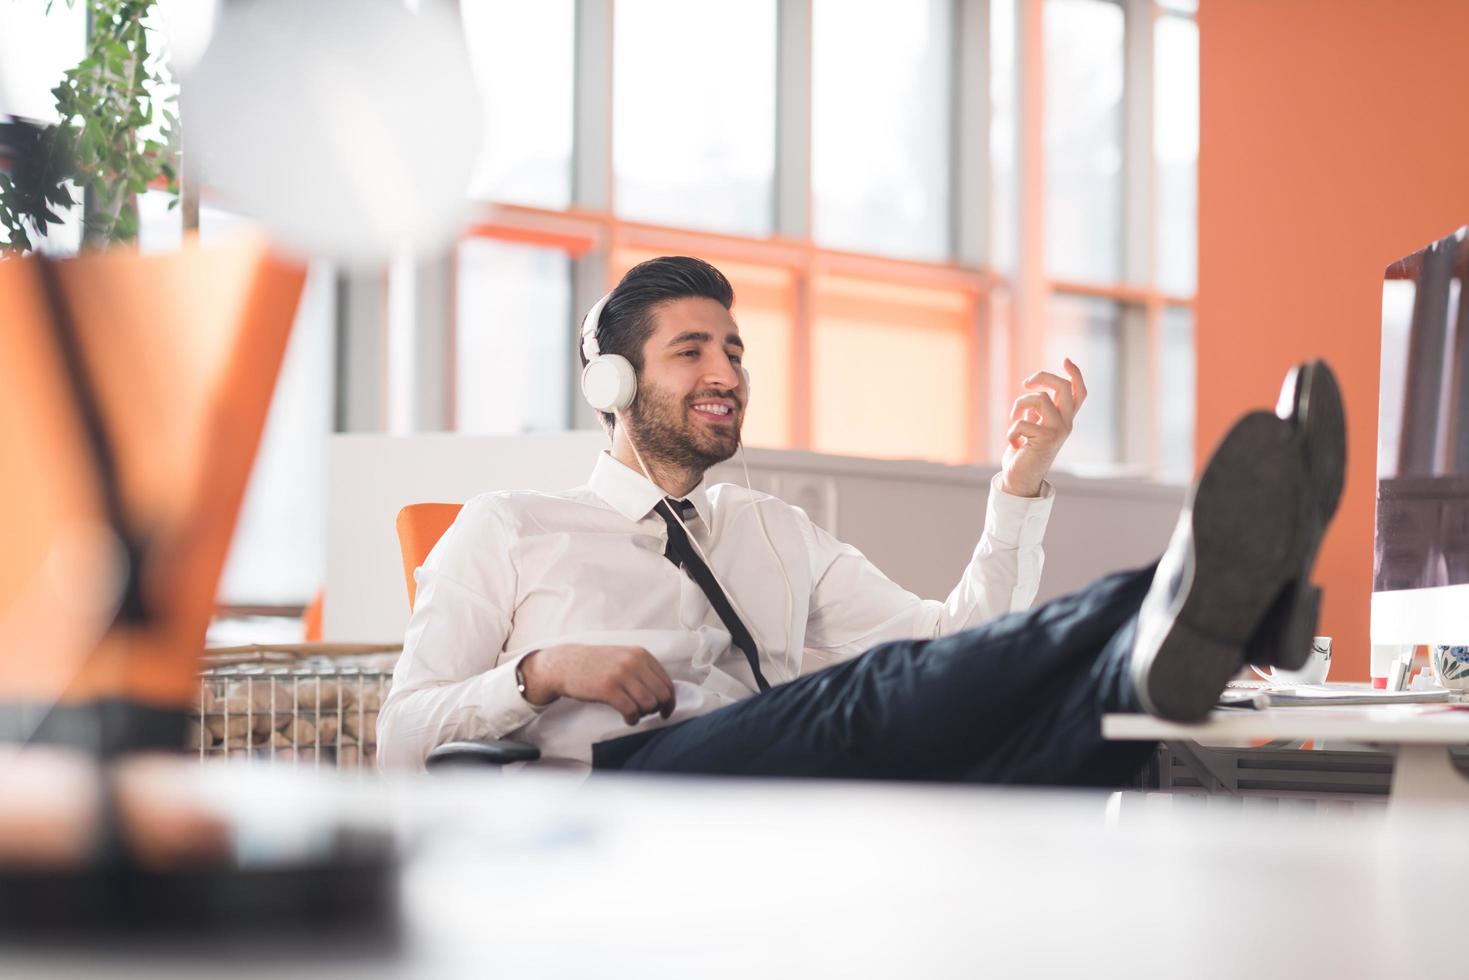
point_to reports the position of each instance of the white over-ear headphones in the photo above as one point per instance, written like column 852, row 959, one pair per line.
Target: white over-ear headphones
column 608, row 382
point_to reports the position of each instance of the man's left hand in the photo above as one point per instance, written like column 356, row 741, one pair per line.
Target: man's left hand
column 1040, row 422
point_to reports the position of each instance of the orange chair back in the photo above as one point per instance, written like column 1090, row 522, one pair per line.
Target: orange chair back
column 419, row 528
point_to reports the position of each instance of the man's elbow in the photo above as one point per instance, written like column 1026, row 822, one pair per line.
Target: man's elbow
column 396, row 752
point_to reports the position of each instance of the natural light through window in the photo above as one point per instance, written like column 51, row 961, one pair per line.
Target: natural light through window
column 871, row 337
column 694, row 113
column 880, row 136
column 523, row 56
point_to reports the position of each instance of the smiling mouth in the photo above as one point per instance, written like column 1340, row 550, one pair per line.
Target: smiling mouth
column 713, row 411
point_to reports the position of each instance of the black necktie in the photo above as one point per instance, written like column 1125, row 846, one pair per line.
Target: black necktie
column 681, row 552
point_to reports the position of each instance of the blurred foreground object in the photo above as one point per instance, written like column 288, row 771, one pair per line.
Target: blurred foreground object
column 348, row 127
column 136, row 390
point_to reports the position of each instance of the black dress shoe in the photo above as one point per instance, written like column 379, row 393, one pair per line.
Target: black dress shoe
column 1311, row 402
column 1243, row 539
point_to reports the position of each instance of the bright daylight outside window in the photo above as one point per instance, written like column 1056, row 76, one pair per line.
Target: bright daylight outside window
column 1088, row 330
column 36, row 49
column 514, row 313
column 693, row 139
column 523, row 56
column 871, row 337
column 1176, row 148
column 880, row 126
column 1083, row 127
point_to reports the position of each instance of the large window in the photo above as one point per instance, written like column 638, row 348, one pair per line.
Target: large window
column 926, row 199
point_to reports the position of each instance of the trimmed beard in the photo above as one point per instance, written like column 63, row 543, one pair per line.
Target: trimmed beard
column 663, row 432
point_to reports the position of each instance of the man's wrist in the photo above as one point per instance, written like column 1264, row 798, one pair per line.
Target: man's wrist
column 530, row 680
column 1021, row 490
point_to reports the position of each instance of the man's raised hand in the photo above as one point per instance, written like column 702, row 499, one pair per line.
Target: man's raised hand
column 630, row 680
column 1041, row 421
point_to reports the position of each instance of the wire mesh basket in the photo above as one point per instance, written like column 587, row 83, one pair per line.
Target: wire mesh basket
column 303, row 705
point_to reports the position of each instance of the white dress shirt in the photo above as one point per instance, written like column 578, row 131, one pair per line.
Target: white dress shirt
column 521, row 571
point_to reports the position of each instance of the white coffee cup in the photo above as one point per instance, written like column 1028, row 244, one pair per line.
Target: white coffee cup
column 1314, row 670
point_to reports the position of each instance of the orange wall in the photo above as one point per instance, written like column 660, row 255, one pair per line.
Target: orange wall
column 1334, row 139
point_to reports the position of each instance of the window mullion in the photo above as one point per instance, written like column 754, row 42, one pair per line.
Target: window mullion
column 433, row 343
column 793, row 119
column 793, row 193
column 591, row 182
column 970, row 191
column 1140, row 334
column 969, row 172
column 591, row 144
column 1139, row 226
column 361, row 351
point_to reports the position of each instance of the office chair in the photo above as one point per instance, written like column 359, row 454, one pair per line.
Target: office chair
column 419, row 528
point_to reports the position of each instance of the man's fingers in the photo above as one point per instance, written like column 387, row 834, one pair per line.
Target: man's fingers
column 1040, row 403
column 624, row 706
column 646, row 700
column 1029, row 430
column 655, row 672
column 1057, row 385
column 656, row 679
column 1078, row 383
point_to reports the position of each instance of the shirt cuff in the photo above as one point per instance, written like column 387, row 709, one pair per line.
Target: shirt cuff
column 1018, row 522
column 505, row 709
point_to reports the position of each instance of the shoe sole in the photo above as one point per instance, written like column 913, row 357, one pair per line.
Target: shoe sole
column 1320, row 419
column 1324, row 426
column 1246, row 519
column 1289, row 625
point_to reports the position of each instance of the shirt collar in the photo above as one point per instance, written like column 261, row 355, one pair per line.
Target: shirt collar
column 633, row 495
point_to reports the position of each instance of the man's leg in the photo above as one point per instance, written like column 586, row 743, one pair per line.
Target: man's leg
column 1016, row 700
column 1021, row 699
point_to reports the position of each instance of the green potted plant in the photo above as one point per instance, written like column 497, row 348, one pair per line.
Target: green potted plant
column 116, row 136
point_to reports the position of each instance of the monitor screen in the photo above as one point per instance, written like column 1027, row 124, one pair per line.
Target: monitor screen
column 1420, row 580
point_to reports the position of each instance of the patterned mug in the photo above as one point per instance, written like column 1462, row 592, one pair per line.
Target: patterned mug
column 1451, row 667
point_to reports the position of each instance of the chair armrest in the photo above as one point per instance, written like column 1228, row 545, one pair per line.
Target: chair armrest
column 497, row 752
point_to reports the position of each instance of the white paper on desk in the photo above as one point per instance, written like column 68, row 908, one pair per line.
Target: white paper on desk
column 1304, row 694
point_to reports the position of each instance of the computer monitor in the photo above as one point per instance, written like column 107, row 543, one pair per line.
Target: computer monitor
column 1420, row 580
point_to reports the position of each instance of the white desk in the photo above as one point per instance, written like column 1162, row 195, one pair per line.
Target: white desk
column 645, row 878
column 1421, row 736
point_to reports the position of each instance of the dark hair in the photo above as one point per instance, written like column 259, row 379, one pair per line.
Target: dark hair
column 627, row 319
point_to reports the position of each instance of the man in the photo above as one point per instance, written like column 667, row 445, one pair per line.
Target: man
column 648, row 600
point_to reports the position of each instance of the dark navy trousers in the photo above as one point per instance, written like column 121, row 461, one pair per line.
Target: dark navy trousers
column 1018, row 700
